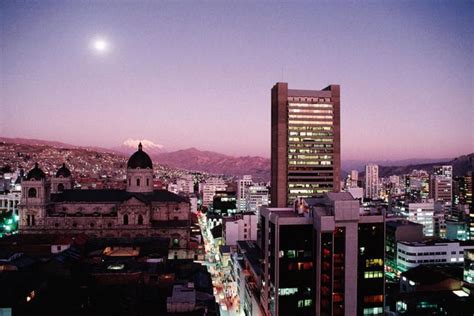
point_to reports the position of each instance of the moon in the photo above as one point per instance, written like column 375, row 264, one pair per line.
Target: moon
column 100, row 45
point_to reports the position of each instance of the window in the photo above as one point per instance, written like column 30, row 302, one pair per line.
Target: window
column 32, row 193
column 373, row 311
column 28, row 220
column 140, row 219
column 373, row 274
column 129, row 182
column 125, row 219
column 32, row 220
column 58, row 248
column 147, row 181
column 373, row 299
column 138, row 182
column 373, row 263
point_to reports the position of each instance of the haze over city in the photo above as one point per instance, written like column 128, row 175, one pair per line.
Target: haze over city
column 184, row 74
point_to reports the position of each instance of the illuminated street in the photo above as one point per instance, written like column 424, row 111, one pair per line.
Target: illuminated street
column 224, row 292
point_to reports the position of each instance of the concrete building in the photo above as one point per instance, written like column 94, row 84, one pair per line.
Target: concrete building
column 224, row 203
column 442, row 184
column 422, row 213
column 182, row 300
column 185, row 184
column 248, row 277
column 457, row 230
column 209, row 189
column 305, row 143
column 240, row 227
column 326, row 258
column 412, row 254
column 257, row 197
column 442, row 190
column 51, row 206
column 242, row 185
column 356, row 192
column 354, row 178
column 9, row 203
column 468, row 273
column 399, row 230
column 372, row 181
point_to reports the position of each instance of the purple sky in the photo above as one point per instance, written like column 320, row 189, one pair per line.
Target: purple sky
column 184, row 74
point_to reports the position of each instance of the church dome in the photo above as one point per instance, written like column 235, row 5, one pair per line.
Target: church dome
column 35, row 173
column 63, row 172
column 139, row 159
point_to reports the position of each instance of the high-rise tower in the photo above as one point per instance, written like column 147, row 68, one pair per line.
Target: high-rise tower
column 371, row 181
column 306, row 143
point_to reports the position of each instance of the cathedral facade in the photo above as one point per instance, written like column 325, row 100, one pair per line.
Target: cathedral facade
column 52, row 206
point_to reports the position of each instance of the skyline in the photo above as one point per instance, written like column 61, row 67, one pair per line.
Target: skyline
column 183, row 75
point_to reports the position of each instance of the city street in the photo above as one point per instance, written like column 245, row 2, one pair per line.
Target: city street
column 224, row 292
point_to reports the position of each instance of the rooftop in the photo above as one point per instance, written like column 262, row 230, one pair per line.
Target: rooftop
column 437, row 242
column 432, row 274
column 400, row 222
column 111, row 195
column 251, row 251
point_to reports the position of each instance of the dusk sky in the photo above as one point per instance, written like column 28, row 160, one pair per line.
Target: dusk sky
column 188, row 74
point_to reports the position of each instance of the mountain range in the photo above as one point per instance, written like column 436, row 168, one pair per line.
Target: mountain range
column 259, row 167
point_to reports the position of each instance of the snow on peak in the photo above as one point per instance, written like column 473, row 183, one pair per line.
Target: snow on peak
column 147, row 144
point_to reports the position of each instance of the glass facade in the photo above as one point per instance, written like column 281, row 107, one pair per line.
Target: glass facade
column 326, row 273
column 296, row 273
column 371, row 283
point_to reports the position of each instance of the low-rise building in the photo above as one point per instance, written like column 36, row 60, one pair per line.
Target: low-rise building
column 412, row 254
column 240, row 227
column 183, row 299
column 399, row 230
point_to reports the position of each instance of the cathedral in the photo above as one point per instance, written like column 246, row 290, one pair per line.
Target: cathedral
column 50, row 205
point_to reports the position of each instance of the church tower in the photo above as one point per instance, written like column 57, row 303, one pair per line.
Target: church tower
column 140, row 172
column 34, row 196
column 62, row 181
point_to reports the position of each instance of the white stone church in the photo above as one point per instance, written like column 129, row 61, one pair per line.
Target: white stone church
column 52, row 206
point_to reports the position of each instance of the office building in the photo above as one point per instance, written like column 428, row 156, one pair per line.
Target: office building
column 209, row 189
column 239, row 227
column 422, row 213
column 248, row 277
column 323, row 257
column 372, row 181
column 242, row 185
column 257, row 196
column 442, row 184
column 468, row 273
column 412, row 254
column 224, row 203
column 305, row 143
column 354, row 178
column 185, row 185
column 399, row 230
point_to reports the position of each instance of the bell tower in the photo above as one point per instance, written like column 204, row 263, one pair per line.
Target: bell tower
column 62, row 181
column 140, row 172
column 35, row 195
